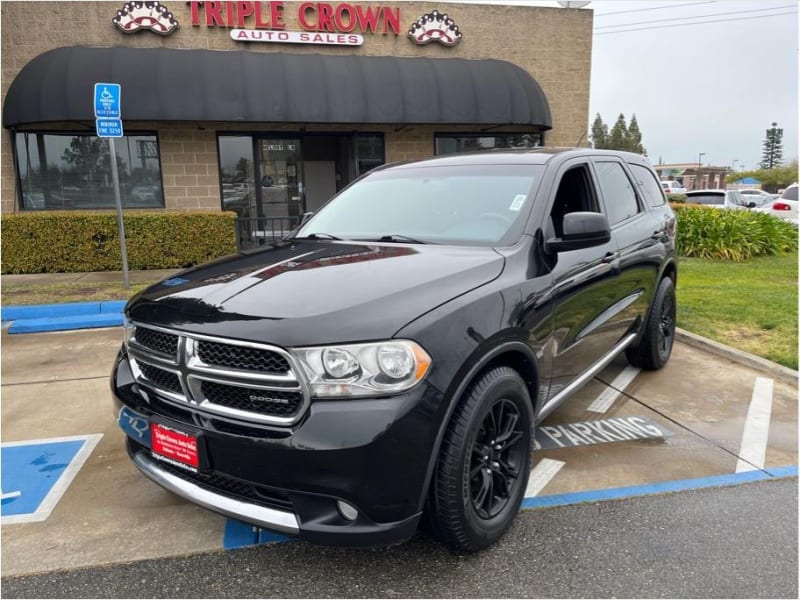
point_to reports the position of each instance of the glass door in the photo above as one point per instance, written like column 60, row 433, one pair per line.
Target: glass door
column 280, row 179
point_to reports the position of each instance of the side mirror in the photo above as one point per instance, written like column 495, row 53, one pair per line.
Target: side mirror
column 581, row 230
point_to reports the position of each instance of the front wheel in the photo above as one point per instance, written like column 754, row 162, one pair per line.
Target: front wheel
column 655, row 347
column 484, row 463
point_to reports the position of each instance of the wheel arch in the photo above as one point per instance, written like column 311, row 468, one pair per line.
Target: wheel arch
column 514, row 354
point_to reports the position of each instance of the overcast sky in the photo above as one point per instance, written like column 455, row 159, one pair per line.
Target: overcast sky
column 713, row 88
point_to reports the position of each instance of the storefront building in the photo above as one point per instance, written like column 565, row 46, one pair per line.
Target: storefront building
column 269, row 108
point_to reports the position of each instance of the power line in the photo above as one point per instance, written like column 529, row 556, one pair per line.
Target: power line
column 792, row 12
column 621, row 12
column 732, row 12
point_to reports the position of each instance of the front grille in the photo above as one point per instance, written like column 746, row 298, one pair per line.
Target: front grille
column 158, row 341
column 228, row 486
column 165, row 380
column 170, row 410
column 263, row 402
column 247, row 382
column 244, row 358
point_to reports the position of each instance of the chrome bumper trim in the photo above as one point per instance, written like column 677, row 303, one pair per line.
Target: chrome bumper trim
column 262, row 516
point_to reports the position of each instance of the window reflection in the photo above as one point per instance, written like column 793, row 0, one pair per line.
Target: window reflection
column 66, row 171
column 237, row 175
column 453, row 144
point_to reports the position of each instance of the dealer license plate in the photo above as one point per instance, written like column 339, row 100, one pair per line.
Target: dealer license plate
column 176, row 447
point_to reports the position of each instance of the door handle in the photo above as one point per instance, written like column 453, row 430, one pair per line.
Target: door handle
column 610, row 257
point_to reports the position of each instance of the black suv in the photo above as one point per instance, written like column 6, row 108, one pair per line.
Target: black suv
column 390, row 358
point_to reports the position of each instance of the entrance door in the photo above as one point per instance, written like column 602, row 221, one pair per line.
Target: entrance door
column 280, row 181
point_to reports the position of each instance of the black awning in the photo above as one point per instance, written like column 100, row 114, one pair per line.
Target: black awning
column 160, row 84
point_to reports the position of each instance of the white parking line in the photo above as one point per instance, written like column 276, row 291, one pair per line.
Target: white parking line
column 607, row 398
column 756, row 427
column 541, row 475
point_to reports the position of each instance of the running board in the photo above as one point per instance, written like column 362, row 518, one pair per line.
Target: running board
column 585, row 377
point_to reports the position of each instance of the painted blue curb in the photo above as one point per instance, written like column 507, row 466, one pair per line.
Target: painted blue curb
column 67, row 309
column 66, row 323
column 238, row 535
column 659, row 488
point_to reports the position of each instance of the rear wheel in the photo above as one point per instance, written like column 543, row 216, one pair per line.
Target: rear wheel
column 654, row 348
column 484, row 462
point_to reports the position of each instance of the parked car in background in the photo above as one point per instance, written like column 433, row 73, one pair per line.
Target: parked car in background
column 726, row 199
column 673, row 187
column 760, row 197
column 784, row 207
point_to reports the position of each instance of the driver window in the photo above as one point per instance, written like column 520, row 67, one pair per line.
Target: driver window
column 575, row 194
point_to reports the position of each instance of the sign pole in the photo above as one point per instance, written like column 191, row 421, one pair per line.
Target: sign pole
column 118, row 202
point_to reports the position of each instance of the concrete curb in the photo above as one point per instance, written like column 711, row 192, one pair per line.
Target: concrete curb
column 777, row 371
column 63, row 317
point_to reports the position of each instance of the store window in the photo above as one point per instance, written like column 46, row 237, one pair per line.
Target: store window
column 68, row 171
column 237, row 174
column 369, row 152
column 456, row 143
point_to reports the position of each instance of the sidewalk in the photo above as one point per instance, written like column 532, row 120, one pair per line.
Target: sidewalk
column 92, row 277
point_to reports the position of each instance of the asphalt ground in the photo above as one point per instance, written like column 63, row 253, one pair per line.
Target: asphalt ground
column 735, row 542
column 685, row 426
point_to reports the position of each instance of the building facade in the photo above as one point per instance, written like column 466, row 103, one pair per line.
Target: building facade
column 269, row 108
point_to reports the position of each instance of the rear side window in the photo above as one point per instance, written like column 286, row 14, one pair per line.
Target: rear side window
column 648, row 185
column 620, row 199
column 709, row 199
column 790, row 193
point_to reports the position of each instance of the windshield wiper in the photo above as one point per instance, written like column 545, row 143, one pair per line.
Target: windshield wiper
column 318, row 236
column 393, row 237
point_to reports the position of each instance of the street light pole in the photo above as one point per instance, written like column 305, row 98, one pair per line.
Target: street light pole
column 700, row 159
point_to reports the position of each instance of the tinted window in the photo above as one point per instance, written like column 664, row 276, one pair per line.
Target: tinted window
column 65, row 171
column 706, row 198
column 790, row 193
column 453, row 144
column 648, row 185
column 620, row 199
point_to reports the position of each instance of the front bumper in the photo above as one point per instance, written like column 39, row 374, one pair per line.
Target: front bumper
column 372, row 454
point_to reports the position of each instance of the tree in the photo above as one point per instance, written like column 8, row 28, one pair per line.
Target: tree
column 619, row 135
column 599, row 133
column 774, row 179
column 635, row 137
column 773, row 148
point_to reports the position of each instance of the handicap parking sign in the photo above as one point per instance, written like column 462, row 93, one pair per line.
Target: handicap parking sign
column 107, row 101
column 36, row 473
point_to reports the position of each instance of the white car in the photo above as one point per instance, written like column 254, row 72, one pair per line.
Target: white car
column 727, row 199
column 784, row 207
column 673, row 187
column 760, row 197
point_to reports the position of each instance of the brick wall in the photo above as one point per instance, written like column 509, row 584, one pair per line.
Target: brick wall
column 552, row 44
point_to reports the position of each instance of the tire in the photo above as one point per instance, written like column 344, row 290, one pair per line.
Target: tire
column 478, row 487
column 654, row 349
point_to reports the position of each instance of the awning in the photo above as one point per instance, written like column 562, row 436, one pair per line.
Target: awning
column 160, row 84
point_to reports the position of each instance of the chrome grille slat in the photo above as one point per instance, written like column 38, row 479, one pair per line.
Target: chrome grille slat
column 269, row 394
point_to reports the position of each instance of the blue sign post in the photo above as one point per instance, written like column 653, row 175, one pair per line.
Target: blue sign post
column 108, row 122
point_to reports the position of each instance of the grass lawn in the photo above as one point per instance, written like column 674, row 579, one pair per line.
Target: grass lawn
column 67, row 292
column 750, row 305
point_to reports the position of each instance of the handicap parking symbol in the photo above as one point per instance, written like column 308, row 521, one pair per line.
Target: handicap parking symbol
column 36, row 473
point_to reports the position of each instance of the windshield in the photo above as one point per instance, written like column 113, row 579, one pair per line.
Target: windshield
column 462, row 205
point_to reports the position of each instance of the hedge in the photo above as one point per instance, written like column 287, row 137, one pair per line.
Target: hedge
column 736, row 235
column 56, row 242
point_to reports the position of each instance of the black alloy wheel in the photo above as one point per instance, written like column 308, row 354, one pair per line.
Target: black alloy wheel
column 658, row 334
column 484, row 462
column 495, row 459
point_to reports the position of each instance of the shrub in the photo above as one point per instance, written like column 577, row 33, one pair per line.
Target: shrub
column 55, row 242
column 735, row 235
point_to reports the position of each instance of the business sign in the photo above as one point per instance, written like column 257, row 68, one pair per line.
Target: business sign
column 145, row 16
column 297, row 37
column 435, row 27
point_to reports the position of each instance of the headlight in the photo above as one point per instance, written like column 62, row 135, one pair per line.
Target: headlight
column 363, row 369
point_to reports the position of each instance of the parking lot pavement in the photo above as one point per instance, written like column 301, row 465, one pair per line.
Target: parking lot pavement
column 702, row 419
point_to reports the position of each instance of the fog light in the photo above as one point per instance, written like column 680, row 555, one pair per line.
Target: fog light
column 348, row 512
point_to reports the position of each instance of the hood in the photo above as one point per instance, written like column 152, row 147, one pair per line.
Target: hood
column 315, row 292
